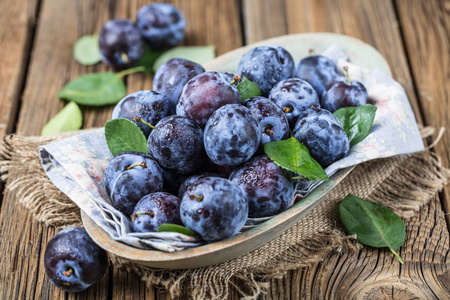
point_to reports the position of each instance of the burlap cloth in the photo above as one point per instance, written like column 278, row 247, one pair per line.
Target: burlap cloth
column 402, row 183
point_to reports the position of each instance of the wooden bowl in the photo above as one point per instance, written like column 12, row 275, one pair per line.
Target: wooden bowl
column 298, row 45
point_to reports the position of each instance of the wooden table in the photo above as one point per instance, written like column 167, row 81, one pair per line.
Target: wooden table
column 36, row 46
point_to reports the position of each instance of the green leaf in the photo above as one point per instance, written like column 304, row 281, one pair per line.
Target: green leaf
column 124, row 135
column 175, row 228
column 200, row 55
column 97, row 88
column 356, row 121
column 86, row 50
column 247, row 89
column 292, row 155
column 148, row 59
column 68, row 119
column 374, row 224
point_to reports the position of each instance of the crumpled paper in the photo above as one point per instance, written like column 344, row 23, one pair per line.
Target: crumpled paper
column 76, row 165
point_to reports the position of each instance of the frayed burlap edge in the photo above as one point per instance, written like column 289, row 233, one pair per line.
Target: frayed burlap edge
column 403, row 183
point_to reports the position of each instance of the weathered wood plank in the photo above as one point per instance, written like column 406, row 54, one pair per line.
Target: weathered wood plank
column 18, row 18
column 426, row 30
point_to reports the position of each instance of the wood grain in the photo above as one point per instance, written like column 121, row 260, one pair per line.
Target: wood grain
column 426, row 30
column 18, row 18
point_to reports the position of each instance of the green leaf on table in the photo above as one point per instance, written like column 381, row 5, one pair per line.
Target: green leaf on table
column 356, row 121
column 167, row 227
column 247, row 89
column 148, row 58
column 97, row 89
column 198, row 54
column 124, row 135
column 86, row 50
column 292, row 155
column 69, row 118
column 374, row 224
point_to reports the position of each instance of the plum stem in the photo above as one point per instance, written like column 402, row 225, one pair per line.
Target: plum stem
column 269, row 131
column 68, row 273
column 199, row 198
column 124, row 57
column 311, row 51
column 236, row 79
column 140, row 164
column 287, row 109
column 150, row 213
column 346, row 74
column 130, row 71
column 140, row 120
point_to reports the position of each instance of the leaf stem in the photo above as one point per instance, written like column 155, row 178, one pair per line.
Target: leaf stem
column 396, row 255
column 130, row 71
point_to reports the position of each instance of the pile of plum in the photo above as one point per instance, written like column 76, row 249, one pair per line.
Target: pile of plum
column 159, row 25
column 206, row 168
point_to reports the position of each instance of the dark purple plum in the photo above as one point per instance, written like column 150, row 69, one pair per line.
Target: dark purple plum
column 120, row 44
column 155, row 209
column 177, row 145
column 72, row 260
column 232, row 135
column 266, row 66
column 172, row 181
column 130, row 176
column 266, row 186
column 322, row 134
column 343, row 93
column 151, row 106
column 161, row 25
column 190, row 180
column 204, row 94
column 294, row 96
column 214, row 208
column 272, row 120
column 172, row 76
column 318, row 70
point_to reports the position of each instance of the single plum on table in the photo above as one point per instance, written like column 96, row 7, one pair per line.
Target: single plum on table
column 294, row 96
column 130, row 176
column 320, row 131
column 177, row 145
column 319, row 71
column 155, row 209
column 266, row 66
column 72, row 260
column 150, row 106
column 172, row 76
column 214, row 208
column 204, row 94
column 344, row 93
column 266, row 186
column 120, row 43
column 232, row 135
column 161, row 25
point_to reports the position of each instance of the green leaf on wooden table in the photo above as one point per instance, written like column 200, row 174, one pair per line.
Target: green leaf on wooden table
column 374, row 224
column 124, row 135
column 247, row 89
column 148, row 58
column 292, row 155
column 198, row 54
column 175, row 228
column 97, row 88
column 86, row 50
column 68, row 119
column 356, row 121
